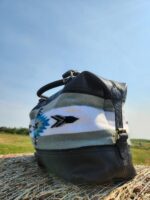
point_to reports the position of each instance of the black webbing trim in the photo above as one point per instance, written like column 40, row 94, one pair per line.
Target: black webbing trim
column 118, row 114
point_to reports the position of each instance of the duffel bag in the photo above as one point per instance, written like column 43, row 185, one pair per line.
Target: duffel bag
column 80, row 133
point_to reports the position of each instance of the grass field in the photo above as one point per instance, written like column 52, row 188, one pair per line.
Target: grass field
column 141, row 151
column 11, row 144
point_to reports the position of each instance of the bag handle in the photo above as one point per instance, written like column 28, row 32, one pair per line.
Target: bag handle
column 67, row 76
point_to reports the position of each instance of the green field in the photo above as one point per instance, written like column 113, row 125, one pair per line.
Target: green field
column 14, row 143
column 141, row 151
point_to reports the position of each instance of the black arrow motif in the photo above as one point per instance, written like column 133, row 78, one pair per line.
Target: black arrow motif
column 61, row 120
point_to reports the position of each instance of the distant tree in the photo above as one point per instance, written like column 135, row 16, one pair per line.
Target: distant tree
column 20, row 131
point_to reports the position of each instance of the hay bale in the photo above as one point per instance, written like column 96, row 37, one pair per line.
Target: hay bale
column 21, row 178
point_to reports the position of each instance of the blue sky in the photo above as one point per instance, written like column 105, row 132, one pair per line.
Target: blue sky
column 40, row 40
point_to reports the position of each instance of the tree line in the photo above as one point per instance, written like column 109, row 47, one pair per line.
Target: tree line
column 21, row 131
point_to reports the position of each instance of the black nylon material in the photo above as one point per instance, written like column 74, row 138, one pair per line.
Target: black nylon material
column 97, row 164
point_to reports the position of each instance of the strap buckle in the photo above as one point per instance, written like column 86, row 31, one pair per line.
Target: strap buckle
column 122, row 135
column 69, row 75
column 121, row 130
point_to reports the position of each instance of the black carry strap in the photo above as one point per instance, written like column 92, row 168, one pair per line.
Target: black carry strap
column 66, row 77
column 48, row 87
column 121, row 132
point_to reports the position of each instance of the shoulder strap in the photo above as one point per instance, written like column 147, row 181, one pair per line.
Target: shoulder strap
column 121, row 132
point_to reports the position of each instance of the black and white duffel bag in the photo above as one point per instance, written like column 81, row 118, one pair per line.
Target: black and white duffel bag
column 80, row 133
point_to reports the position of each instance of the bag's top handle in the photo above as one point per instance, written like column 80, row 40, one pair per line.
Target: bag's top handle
column 66, row 77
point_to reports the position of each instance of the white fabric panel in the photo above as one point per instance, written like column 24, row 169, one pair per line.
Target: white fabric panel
column 90, row 119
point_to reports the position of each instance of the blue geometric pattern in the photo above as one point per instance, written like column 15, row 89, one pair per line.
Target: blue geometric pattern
column 41, row 123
